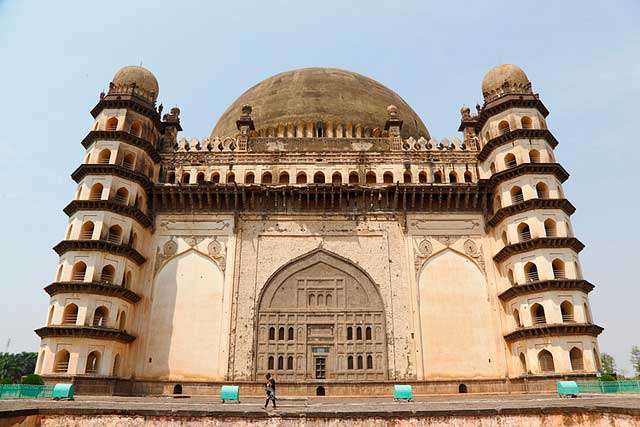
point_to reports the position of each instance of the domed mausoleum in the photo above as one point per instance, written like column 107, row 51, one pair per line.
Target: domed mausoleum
column 321, row 235
column 320, row 100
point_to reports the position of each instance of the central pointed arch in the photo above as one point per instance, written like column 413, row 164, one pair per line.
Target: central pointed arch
column 320, row 295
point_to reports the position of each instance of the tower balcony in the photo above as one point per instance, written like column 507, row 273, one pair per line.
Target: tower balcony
column 112, row 169
column 539, row 243
column 122, row 136
column 93, row 288
column 81, row 331
column 545, row 286
column 102, row 246
column 515, row 134
column 543, row 330
column 110, row 206
column 529, row 205
column 526, row 169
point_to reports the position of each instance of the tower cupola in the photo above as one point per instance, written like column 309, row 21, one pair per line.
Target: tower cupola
column 503, row 80
column 134, row 79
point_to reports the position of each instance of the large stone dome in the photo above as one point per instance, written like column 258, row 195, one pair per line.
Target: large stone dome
column 320, row 95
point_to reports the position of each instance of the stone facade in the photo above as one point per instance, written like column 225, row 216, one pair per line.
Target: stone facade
column 331, row 249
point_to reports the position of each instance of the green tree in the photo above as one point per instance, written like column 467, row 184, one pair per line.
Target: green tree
column 635, row 358
column 608, row 363
column 33, row 379
column 16, row 365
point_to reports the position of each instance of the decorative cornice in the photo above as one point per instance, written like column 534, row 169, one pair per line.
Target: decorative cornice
column 349, row 199
column 525, row 169
column 539, row 243
column 554, row 330
column 506, row 102
column 99, row 333
column 529, row 205
column 111, row 206
column 99, row 245
column 546, row 285
column 514, row 135
column 95, row 288
column 123, row 136
column 111, row 169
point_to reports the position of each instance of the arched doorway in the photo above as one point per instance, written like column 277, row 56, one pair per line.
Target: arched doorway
column 326, row 300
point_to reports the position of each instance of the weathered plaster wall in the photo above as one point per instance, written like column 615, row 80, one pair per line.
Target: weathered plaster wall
column 573, row 420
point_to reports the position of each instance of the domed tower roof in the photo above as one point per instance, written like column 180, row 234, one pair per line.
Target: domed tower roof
column 494, row 81
column 320, row 95
column 145, row 81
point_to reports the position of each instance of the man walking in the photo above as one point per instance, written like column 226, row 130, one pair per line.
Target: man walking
column 270, row 385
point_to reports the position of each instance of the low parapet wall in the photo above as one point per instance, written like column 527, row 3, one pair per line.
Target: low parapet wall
column 119, row 387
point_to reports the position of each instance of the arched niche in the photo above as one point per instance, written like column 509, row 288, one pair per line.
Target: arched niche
column 185, row 323
column 456, row 325
column 320, row 295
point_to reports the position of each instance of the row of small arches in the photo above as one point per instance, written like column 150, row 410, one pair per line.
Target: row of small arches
column 511, row 162
column 113, row 234
column 107, row 275
column 524, row 231
column 92, row 365
column 100, row 318
column 517, row 195
column 547, row 364
column 135, row 128
column 320, row 178
column 531, row 273
column 128, row 161
column 538, row 314
column 318, row 130
column 504, row 127
column 121, row 196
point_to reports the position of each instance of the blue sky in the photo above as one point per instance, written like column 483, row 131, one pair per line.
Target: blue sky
column 583, row 57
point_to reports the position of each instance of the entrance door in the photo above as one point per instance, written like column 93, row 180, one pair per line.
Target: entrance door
column 321, row 368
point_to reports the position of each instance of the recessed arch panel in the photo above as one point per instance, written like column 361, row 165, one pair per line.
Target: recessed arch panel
column 320, row 295
column 186, row 317
column 455, row 314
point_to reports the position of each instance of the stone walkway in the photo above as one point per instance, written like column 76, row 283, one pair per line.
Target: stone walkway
column 453, row 405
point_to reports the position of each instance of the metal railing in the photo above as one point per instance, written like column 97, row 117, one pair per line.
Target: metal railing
column 70, row 319
column 113, row 238
column 25, row 391
column 525, row 235
column 78, row 276
column 550, row 232
column 106, row 278
column 539, row 320
column 62, row 367
column 559, row 274
column 86, row 235
column 628, row 386
column 512, row 164
column 532, row 276
column 517, row 198
column 568, row 318
column 95, row 196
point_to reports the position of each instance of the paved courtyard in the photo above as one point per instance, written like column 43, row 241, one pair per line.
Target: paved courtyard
column 460, row 405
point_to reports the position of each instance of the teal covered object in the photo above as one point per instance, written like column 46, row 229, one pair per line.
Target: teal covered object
column 402, row 392
column 230, row 393
column 63, row 391
column 568, row 389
